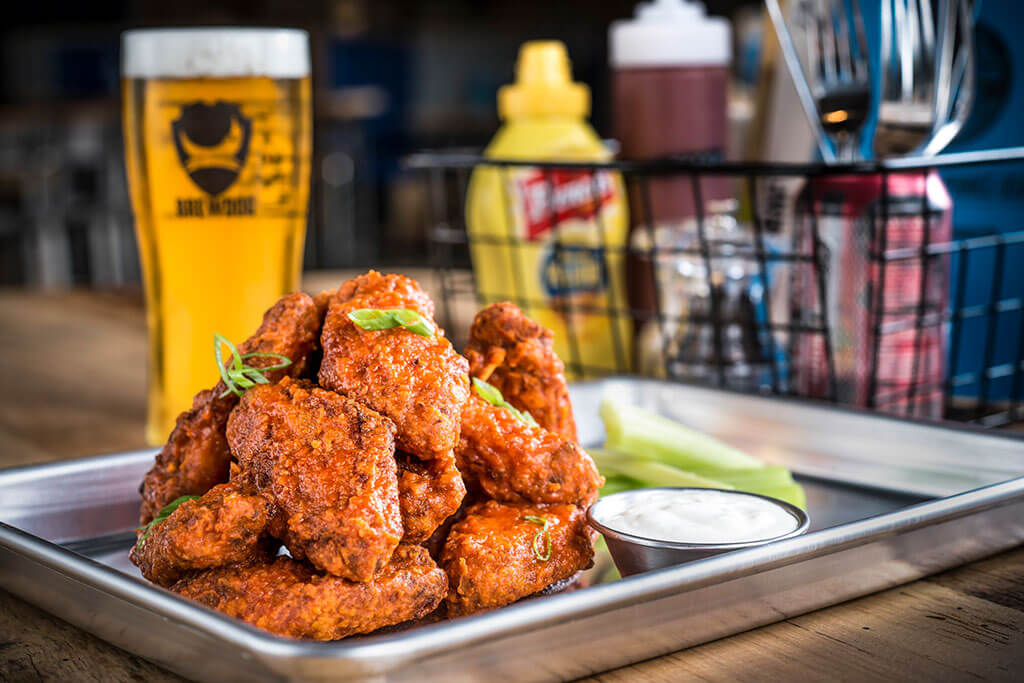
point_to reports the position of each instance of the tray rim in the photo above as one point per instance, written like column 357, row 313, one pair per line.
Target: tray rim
column 817, row 404
column 394, row 650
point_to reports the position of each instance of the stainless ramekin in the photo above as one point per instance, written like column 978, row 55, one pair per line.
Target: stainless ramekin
column 635, row 554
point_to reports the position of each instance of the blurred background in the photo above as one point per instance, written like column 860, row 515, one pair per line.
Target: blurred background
column 390, row 77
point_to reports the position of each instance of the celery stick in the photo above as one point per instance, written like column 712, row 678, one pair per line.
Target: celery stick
column 791, row 493
column 625, row 472
column 770, row 475
column 650, row 473
column 616, row 483
column 646, row 435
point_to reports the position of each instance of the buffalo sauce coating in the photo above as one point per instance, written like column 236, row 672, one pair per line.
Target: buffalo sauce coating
column 429, row 492
column 196, row 456
column 291, row 598
column 515, row 462
column 421, row 383
column 328, row 463
column 517, row 355
column 499, row 553
column 224, row 526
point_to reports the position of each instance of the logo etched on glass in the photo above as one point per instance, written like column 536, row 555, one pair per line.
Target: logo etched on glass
column 212, row 141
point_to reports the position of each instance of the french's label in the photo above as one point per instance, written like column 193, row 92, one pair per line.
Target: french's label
column 548, row 198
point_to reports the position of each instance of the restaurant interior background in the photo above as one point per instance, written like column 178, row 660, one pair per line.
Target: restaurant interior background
column 390, row 77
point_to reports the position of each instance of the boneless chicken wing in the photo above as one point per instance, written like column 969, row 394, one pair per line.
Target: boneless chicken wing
column 291, row 598
column 512, row 461
column 224, row 526
column 517, row 356
column 196, row 456
column 308, row 501
column 374, row 283
column 429, row 492
column 419, row 382
column 328, row 463
column 500, row 552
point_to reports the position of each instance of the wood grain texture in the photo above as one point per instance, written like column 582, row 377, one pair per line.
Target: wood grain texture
column 74, row 384
column 938, row 629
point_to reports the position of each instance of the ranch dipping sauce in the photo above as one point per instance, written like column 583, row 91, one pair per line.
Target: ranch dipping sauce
column 702, row 516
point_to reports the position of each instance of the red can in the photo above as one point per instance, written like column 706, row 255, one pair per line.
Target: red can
column 885, row 291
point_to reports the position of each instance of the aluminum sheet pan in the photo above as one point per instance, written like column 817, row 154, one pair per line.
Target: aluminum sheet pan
column 890, row 502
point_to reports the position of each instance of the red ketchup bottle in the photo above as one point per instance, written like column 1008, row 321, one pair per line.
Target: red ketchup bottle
column 670, row 75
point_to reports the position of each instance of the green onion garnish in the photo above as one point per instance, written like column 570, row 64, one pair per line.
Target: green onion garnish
column 492, row 395
column 238, row 376
column 389, row 318
column 164, row 513
column 543, row 537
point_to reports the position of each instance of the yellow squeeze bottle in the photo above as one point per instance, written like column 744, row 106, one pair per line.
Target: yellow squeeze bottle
column 553, row 241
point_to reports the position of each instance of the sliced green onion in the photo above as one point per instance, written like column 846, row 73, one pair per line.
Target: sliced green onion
column 390, row 318
column 161, row 516
column 237, row 376
column 492, row 395
column 543, row 537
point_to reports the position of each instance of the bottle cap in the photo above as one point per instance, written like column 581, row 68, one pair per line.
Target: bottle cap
column 544, row 84
column 670, row 33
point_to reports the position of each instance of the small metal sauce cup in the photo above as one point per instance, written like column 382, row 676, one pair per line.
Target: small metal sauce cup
column 636, row 554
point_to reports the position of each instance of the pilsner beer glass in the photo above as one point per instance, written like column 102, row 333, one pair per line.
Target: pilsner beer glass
column 218, row 135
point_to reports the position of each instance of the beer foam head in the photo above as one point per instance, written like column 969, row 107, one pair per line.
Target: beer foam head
column 215, row 52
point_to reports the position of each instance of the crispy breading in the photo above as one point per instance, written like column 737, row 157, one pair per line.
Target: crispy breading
column 196, row 456
column 419, row 382
column 372, row 282
column 290, row 598
column 512, row 461
column 222, row 527
column 429, row 492
column 328, row 463
column 517, row 356
column 495, row 555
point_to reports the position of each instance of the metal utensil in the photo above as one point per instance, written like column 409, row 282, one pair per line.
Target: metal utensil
column 955, row 90
column 833, row 80
column 799, row 77
column 907, row 109
column 840, row 79
column 927, row 75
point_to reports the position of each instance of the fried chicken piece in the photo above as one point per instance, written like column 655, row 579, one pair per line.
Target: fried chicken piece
column 222, row 527
column 290, row 598
column 196, row 456
column 517, row 356
column 495, row 555
column 372, row 282
column 515, row 462
column 328, row 463
column 419, row 382
column 322, row 301
column 429, row 492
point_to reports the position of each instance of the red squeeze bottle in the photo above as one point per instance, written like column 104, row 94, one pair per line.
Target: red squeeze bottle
column 670, row 76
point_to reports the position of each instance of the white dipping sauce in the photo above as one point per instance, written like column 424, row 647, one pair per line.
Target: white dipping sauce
column 701, row 516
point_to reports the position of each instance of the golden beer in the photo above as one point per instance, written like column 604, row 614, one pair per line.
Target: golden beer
column 218, row 134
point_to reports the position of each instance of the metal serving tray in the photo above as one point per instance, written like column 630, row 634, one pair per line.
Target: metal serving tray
column 890, row 501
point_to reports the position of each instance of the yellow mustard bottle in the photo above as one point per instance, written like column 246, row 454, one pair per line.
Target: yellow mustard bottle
column 553, row 241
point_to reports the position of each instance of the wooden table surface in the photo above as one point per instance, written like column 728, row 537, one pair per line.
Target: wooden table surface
column 73, row 374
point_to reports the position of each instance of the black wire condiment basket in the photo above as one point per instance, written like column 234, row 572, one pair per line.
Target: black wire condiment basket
column 841, row 283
